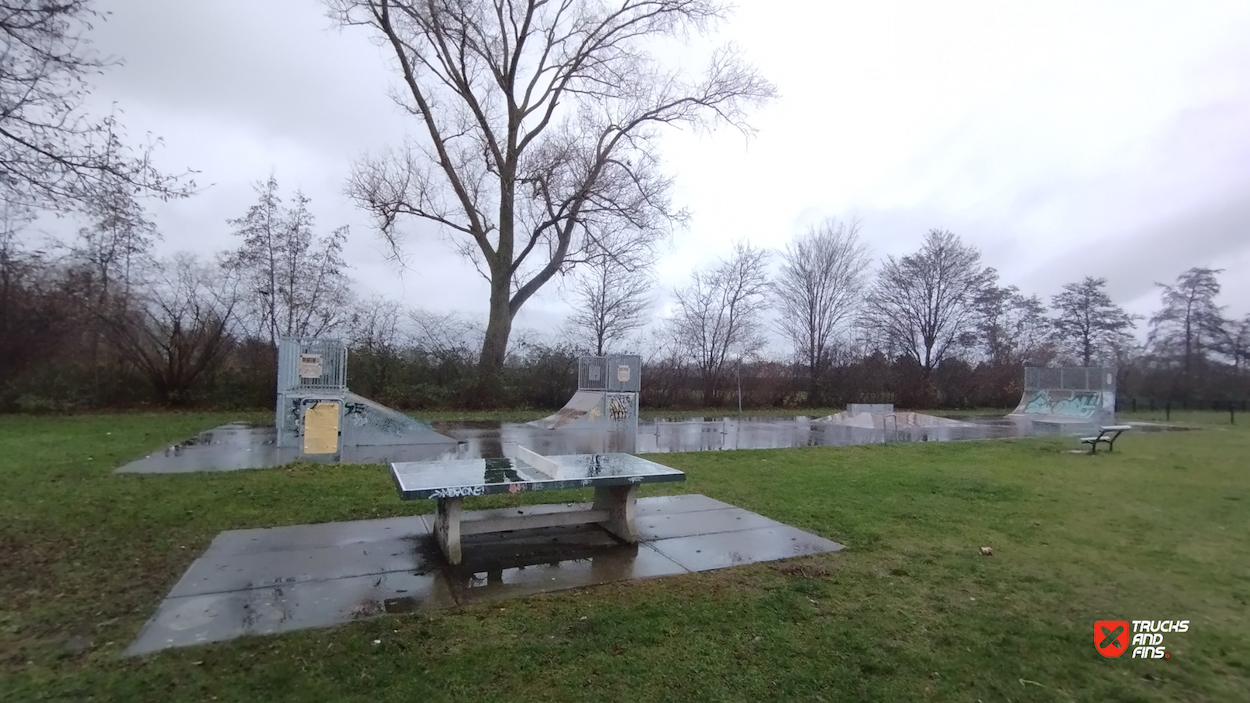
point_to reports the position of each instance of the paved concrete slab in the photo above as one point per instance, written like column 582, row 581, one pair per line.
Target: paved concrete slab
column 660, row 526
column 221, row 572
column 685, row 503
column 724, row 549
column 260, row 581
column 327, row 534
column 222, row 616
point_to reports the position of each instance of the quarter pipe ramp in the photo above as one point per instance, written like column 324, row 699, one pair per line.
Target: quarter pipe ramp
column 593, row 410
column 606, row 397
column 1074, row 395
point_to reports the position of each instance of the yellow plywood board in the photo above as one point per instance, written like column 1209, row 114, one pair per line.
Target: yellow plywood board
column 321, row 428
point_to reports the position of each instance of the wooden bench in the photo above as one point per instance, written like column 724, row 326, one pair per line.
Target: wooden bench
column 1107, row 434
column 615, row 478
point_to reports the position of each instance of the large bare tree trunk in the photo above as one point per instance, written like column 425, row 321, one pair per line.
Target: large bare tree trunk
column 541, row 125
column 494, row 347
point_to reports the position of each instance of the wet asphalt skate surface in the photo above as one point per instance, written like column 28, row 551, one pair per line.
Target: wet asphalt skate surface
column 242, row 446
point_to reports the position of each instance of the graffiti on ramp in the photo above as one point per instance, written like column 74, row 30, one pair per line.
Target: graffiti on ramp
column 1081, row 404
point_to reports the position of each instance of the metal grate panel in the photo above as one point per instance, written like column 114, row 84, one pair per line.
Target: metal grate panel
column 1069, row 378
column 306, row 364
column 620, row 372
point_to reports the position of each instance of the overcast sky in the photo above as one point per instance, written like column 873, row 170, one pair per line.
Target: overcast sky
column 1063, row 139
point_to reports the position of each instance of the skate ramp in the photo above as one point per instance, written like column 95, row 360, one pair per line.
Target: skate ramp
column 1066, row 406
column 895, row 420
column 370, row 424
column 584, row 409
column 1083, row 395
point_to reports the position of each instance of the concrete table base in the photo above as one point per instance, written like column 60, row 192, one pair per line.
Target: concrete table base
column 613, row 509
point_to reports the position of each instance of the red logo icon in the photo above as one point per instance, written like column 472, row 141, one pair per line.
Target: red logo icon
column 1111, row 637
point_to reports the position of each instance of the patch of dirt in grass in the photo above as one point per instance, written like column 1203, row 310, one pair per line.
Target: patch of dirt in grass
column 802, row 570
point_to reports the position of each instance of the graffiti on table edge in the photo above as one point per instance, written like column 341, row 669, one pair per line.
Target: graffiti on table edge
column 458, row 492
column 1069, row 403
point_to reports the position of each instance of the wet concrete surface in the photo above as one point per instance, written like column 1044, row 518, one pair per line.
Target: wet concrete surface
column 262, row 581
column 240, row 446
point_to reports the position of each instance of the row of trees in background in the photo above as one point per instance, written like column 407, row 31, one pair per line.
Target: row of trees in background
column 533, row 193
column 100, row 321
column 940, row 307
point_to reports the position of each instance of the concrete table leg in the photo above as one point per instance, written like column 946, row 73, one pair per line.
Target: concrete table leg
column 447, row 528
column 620, row 501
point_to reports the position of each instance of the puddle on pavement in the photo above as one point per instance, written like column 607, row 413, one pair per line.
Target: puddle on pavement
column 262, row 581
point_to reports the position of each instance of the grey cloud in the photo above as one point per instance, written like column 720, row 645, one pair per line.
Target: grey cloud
column 214, row 76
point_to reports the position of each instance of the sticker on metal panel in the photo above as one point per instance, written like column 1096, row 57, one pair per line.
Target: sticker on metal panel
column 622, row 373
column 310, row 366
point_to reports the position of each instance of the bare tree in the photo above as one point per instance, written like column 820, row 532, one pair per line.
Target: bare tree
column 377, row 333
column 611, row 299
column 718, row 314
column 1087, row 324
column 34, row 319
column 1189, row 324
column 293, row 281
column 52, row 153
column 117, row 246
column 924, row 304
column 178, row 334
column 377, row 325
column 819, row 288
column 449, row 335
column 541, row 124
column 1237, row 343
column 1014, row 328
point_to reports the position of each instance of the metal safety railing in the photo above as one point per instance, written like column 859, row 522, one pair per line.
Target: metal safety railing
column 621, row 372
column 317, row 365
column 1071, row 378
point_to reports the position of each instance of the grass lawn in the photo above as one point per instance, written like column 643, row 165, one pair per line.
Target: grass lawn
column 909, row 611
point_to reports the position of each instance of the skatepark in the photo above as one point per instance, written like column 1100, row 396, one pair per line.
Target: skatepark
column 327, row 571
column 601, row 417
column 366, row 539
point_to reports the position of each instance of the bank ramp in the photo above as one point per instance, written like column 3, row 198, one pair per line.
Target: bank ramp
column 316, row 413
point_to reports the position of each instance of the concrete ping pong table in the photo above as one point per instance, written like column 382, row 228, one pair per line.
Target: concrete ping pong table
column 615, row 478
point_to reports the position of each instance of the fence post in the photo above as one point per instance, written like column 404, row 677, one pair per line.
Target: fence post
column 1168, row 410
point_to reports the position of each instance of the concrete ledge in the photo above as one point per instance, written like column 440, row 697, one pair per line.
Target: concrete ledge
column 477, row 525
